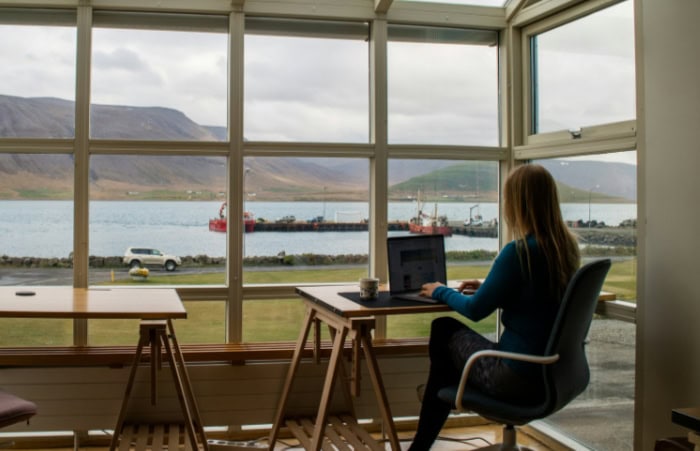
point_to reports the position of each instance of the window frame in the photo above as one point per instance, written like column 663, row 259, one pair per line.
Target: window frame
column 605, row 138
column 596, row 139
column 182, row 14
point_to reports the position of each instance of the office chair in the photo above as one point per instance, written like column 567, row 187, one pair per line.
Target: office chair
column 564, row 364
column 14, row 409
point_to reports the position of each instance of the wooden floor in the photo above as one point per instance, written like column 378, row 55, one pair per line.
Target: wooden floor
column 473, row 437
column 453, row 438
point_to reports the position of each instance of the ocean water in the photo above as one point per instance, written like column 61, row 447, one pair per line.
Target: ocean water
column 45, row 228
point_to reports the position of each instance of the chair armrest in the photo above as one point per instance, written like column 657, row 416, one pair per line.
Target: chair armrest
column 545, row 360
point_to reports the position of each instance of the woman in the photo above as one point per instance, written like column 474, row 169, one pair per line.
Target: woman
column 527, row 281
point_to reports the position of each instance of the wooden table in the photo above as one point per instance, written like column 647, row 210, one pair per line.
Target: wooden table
column 689, row 418
column 345, row 318
column 155, row 307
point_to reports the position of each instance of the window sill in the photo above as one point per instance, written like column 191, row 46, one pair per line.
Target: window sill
column 119, row 356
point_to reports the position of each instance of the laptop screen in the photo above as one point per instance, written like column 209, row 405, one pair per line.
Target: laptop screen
column 415, row 260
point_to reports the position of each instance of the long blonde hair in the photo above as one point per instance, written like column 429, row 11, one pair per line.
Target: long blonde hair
column 531, row 206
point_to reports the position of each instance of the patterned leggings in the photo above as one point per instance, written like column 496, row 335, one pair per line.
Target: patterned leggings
column 451, row 344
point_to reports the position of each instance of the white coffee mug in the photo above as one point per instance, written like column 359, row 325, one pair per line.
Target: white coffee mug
column 369, row 288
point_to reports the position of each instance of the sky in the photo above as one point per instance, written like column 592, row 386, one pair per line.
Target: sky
column 438, row 94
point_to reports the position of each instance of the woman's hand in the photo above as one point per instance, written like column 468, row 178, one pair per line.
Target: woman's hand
column 469, row 286
column 428, row 288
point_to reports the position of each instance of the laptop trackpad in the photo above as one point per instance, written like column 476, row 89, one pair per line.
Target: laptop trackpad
column 414, row 296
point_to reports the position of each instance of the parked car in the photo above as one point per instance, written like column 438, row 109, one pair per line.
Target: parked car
column 140, row 257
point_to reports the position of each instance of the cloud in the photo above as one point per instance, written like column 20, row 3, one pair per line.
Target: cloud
column 318, row 89
column 121, row 58
column 606, row 32
column 184, row 71
column 25, row 55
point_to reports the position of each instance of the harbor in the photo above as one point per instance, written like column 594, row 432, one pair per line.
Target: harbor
column 44, row 229
column 394, row 226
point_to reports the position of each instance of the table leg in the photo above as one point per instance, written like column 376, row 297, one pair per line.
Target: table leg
column 187, row 385
column 378, row 385
column 335, row 360
column 181, row 395
column 346, row 387
column 159, row 335
column 317, row 340
column 293, row 366
column 144, row 339
column 153, row 336
column 694, row 438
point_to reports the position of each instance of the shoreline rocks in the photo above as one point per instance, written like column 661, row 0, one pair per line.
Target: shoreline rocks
column 622, row 239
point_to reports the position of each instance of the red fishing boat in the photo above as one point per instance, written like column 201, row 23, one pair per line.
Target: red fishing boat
column 220, row 224
column 430, row 224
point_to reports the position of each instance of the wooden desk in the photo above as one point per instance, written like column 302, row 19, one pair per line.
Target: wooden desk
column 606, row 296
column 155, row 307
column 344, row 318
column 689, row 417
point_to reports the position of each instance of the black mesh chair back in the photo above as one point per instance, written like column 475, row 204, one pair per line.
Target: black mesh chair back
column 567, row 376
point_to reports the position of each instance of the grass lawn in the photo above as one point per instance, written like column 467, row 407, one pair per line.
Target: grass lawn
column 268, row 320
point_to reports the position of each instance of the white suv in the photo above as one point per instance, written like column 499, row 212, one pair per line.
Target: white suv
column 140, row 257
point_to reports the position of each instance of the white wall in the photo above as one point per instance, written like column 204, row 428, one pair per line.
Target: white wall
column 89, row 398
column 668, row 118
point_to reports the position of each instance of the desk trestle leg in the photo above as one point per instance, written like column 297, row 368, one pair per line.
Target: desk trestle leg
column 329, row 431
column 159, row 336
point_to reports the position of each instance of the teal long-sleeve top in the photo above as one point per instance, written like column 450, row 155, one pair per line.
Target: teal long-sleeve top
column 528, row 305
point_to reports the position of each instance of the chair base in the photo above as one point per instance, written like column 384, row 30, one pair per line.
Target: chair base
column 500, row 447
column 509, row 443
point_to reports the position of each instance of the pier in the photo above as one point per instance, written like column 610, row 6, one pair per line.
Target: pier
column 478, row 231
column 322, row 226
column 606, row 236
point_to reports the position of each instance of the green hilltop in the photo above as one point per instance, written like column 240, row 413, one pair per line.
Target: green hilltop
column 478, row 181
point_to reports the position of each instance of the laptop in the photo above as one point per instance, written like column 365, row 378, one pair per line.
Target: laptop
column 413, row 261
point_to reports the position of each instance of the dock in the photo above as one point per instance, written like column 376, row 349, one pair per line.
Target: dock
column 477, row 231
column 322, row 226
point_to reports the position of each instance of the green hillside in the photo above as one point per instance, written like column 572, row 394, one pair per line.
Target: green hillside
column 478, row 180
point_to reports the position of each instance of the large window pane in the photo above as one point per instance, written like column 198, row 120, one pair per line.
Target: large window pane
column 310, row 220
column 569, row 88
column 158, row 209
column 159, row 84
column 36, row 102
column 310, row 85
column 205, row 323
column 602, row 417
column 272, row 320
column 36, row 238
column 458, row 199
column 599, row 202
column 36, row 198
column 443, row 86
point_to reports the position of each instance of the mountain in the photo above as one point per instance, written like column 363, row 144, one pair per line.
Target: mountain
column 37, row 176
column 609, row 178
column 43, row 117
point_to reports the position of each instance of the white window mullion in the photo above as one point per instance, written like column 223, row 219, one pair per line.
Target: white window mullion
column 236, row 180
column 81, row 196
column 379, row 189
